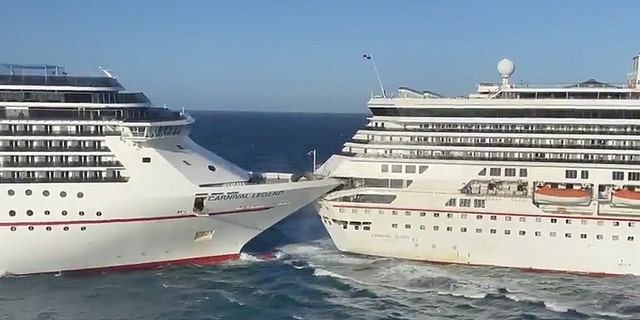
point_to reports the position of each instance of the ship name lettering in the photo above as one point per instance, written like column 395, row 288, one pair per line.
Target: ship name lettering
column 238, row 196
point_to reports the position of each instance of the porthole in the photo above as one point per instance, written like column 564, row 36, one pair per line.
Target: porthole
column 30, row 228
column 99, row 213
column 29, row 212
column 11, row 192
column 211, row 168
column 65, row 228
column 186, row 162
column 13, row 228
column 81, row 213
column 12, row 213
column 83, row 228
column 47, row 212
column 64, row 212
column 45, row 193
column 63, row 194
column 28, row 192
column 80, row 195
column 48, row 228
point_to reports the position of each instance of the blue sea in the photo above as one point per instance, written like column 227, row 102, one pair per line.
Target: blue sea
column 306, row 277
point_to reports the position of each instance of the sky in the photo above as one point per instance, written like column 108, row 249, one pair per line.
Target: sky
column 306, row 56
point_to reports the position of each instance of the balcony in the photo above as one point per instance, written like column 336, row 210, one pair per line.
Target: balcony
column 64, row 180
column 497, row 145
column 60, row 164
column 52, row 149
column 18, row 133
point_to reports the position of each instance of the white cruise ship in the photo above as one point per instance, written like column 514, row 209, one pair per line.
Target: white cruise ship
column 540, row 177
column 93, row 178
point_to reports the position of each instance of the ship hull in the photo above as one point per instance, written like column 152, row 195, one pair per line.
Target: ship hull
column 507, row 236
column 151, row 233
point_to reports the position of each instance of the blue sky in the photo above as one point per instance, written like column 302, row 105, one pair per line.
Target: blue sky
column 307, row 55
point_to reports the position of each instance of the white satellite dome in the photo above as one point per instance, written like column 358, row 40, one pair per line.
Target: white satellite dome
column 506, row 68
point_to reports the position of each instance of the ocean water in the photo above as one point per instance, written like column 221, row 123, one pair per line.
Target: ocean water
column 305, row 277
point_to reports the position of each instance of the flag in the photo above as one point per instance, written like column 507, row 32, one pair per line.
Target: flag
column 311, row 152
column 366, row 56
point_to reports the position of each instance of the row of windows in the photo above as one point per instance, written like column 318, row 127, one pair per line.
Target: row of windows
column 495, row 217
column 48, row 228
column 366, row 226
column 12, row 213
column 466, row 203
column 552, row 234
column 46, row 193
column 576, row 113
column 573, row 174
column 631, row 176
column 397, row 168
column 508, row 172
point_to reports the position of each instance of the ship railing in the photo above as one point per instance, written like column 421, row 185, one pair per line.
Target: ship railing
column 498, row 145
column 54, row 149
column 33, row 80
column 495, row 158
column 59, row 133
column 525, row 131
column 54, row 164
column 64, row 180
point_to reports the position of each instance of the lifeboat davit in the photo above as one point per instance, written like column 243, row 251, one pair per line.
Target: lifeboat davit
column 626, row 198
column 575, row 197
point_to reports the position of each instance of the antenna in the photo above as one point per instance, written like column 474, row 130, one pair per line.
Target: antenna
column 107, row 72
column 368, row 57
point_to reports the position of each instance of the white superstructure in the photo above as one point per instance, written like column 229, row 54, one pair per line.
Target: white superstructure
column 525, row 176
column 93, row 178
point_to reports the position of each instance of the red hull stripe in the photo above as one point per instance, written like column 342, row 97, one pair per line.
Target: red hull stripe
column 532, row 215
column 151, row 265
column 125, row 220
column 534, row 270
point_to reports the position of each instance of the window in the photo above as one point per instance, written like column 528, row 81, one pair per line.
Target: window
column 479, row 217
column 479, row 203
column 435, row 228
column 28, row 192
column 537, row 233
column 507, row 218
column 63, row 194
column 523, row 172
column 146, row 160
column 45, row 193
column 600, row 223
column 478, row 230
column 410, row 169
column 12, row 213
column 396, row 168
column 523, row 219
column 29, row 212
column 179, row 147
column 630, row 238
column 211, row 168
column 394, row 212
column 492, row 231
column 634, row 176
column 538, row 219
column 568, row 221
column 463, row 229
column 463, row 216
column 615, row 238
column 395, row 225
column 631, row 224
column 449, row 228
column 567, row 235
column 583, row 222
column 494, row 217
column 449, row 215
column 451, row 202
column 494, row 172
column 617, row 175
column 423, row 214
column 465, row 202
column 422, row 169
column 510, row 172
column 507, row 232
column 616, row 223
column 384, row 168
column 11, row 192
column 552, row 234
column 186, row 162
column 483, row 172
column 436, row 215
column 522, row 232
column 599, row 237
column 583, row 236
column 407, row 213
column 570, row 174
column 584, row 174
column 80, row 195
column 422, row 227
column 554, row 220
column 407, row 226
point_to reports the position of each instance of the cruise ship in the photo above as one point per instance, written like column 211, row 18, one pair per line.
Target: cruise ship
column 93, row 178
column 524, row 176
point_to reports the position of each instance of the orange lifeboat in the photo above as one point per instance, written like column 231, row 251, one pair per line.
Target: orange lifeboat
column 626, row 198
column 560, row 196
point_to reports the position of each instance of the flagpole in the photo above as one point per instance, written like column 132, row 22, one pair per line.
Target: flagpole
column 368, row 57
column 314, row 161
